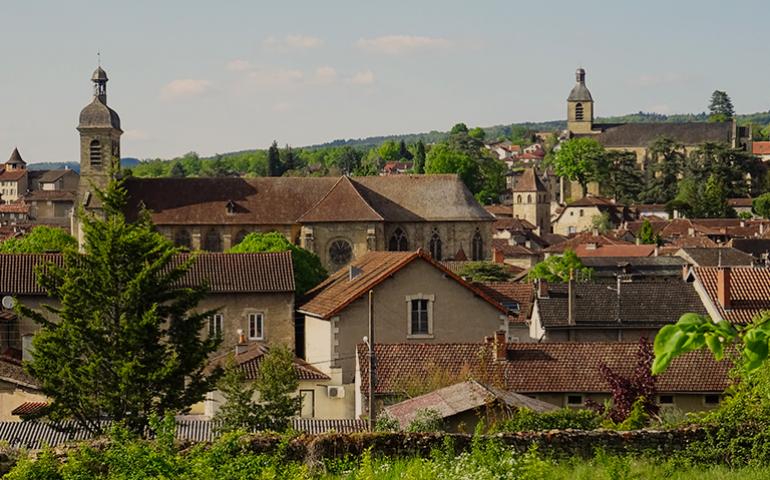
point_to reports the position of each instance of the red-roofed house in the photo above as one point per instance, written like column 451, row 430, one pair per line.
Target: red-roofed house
column 761, row 150
column 735, row 294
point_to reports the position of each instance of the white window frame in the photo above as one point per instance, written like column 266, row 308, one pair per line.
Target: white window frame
column 420, row 296
column 569, row 404
column 216, row 322
column 251, row 317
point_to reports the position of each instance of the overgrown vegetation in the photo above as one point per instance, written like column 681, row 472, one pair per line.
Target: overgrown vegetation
column 41, row 239
column 558, row 268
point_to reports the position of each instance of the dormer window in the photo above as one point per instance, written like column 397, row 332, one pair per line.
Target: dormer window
column 95, row 153
column 230, row 207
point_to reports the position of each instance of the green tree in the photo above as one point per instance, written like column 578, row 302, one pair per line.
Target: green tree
column 443, row 159
column 485, row 272
column 126, row 342
column 601, row 222
column 389, row 151
column 579, row 159
column 557, row 268
column 239, row 411
column 40, row 239
column 458, row 128
column 403, row 152
column 274, row 160
column 419, row 158
column 289, row 159
column 308, row 271
column 720, row 107
column 622, row 178
column 478, row 133
column 277, row 385
column 760, row 205
column 647, row 234
column 177, row 170
column 714, row 200
column 666, row 161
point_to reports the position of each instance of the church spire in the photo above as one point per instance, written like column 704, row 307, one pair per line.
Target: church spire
column 100, row 84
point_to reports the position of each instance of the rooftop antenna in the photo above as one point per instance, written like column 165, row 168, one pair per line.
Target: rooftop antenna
column 98, row 58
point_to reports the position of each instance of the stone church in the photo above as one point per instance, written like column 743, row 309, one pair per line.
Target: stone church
column 339, row 219
column 637, row 137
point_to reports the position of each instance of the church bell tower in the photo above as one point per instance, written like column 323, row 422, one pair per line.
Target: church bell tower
column 580, row 106
column 100, row 133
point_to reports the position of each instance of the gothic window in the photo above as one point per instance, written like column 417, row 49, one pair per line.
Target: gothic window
column 183, row 239
column 212, row 242
column 529, row 198
column 518, row 199
column 435, row 246
column 398, row 241
column 240, row 236
column 95, row 152
column 478, row 246
column 579, row 112
column 340, row 252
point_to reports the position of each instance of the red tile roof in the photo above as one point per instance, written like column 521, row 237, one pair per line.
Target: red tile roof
column 749, row 291
column 760, row 148
column 338, row 291
column 343, row 203
column 17, row 207
column 539, row 367
column 529, row 181
column 585, row 238
column 250, row 359
column 584, row 250
column 12, row 175
column 223, row 272
column 28, row 408
column 508, row 293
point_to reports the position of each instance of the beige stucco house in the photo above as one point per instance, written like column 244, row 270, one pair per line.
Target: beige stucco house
column 414, row 299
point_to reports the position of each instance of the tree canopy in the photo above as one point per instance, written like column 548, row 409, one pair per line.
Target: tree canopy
column 486, row 272
column 557, row 268
column 580, row 159
column 720, row 107
column 125, row 342
column 308, row 270
column 761, row 205
column 40, row 239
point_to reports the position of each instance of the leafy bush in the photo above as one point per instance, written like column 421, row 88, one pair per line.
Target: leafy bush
column 526, row 420
column 426, row 420
column 40, row 239
column 386, row 423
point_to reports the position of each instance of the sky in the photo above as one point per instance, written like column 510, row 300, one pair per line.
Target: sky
column 215, row 77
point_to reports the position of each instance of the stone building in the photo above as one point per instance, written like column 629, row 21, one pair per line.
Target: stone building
column 531, row 201
column 637, row 137
column 339, row 219
column 13, row 178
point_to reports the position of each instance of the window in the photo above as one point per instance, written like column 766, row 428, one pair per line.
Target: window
column 518, row 198
column 711, row 399
column 435, row 246
column 182, row 239
column 574, row 400
column 419, row 317
column 95, row 152
column 581, row 212
column 307, row 410
column 666, row 400
column 477, row 246
column 579, row 112
column 398, row 241
column 216, row 325
column 340, row 252
column 256, row 326
column 529, row 198
column 212, row 242
column 571, row 230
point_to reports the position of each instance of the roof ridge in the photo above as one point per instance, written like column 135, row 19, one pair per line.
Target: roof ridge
column 343, row 179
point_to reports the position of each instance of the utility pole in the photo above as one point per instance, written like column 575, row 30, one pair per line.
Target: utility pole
column 372, row 363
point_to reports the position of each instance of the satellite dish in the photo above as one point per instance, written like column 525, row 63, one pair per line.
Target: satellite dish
column 8, row 302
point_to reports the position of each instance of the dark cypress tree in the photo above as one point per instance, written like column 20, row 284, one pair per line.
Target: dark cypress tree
column 404, row 152
column 720, row 106
column 177, row 170
column 419, row 158
column 274, row 161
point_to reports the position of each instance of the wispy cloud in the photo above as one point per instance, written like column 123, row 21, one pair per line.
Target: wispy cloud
column 184, row 88
column 239, row 65
column 364, row 77
column 275, row 76
column 325, row 75
column 292, row 42
column 400, row 44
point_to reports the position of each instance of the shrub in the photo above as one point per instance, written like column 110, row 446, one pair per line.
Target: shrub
column 526, row 420
column 426, row 420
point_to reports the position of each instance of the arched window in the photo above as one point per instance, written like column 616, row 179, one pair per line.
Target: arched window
column 435, row 246
column 183, row 239
column 579, row 111
column 240, row 236
column 95, row 152
column 213, row 241
column 398, row 241
column 529, row 198
column 340, row 252
column 477, row 245
column 518, row 198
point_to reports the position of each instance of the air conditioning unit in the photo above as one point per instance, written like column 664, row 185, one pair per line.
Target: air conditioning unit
column 335, row 392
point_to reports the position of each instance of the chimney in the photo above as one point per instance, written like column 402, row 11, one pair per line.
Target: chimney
column 690, row 232
column 542, row 289
column 501, row 346
column 241, row 346
column 498, row 256
column 571, row 298
column 723, row 287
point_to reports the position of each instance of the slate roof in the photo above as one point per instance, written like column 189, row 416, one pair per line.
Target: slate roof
column 641, row 303
column 643, row 134
column 50, row 176
column 584, row 238
column 539, row 367
column 34, row 435
column 289, row 200
column 251, row 357
column 15, row 158
column 754, row 246
column 50, row 195
column 713, row 257
column 462, row 397
column 98, row 115
column 338, row 291
column 749, row 291
column 668, row 266
column 529, row 181
column 12, row 175
column 11, row 371
column 223, row 272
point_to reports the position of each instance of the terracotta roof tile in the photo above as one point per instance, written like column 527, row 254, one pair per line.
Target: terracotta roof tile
column 338, row 291
column 50, row 195
column 250, row 359
column 509, row 294
column 749, row 291
column 539, row 367
column 28, row 408
column 760, row 148
column 12, row 175
column 529, row 181
column 585, row 238
column 585, row 250
column 12, row 371
column 224, row 272
column 17, row 207
column 343, row 203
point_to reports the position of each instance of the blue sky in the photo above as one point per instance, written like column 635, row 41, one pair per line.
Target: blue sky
column 222, row 76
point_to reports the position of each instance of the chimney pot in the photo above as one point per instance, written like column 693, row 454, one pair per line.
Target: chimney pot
column 501, row 346
column 723, row 287
column 240, row 347
column 542, row 289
